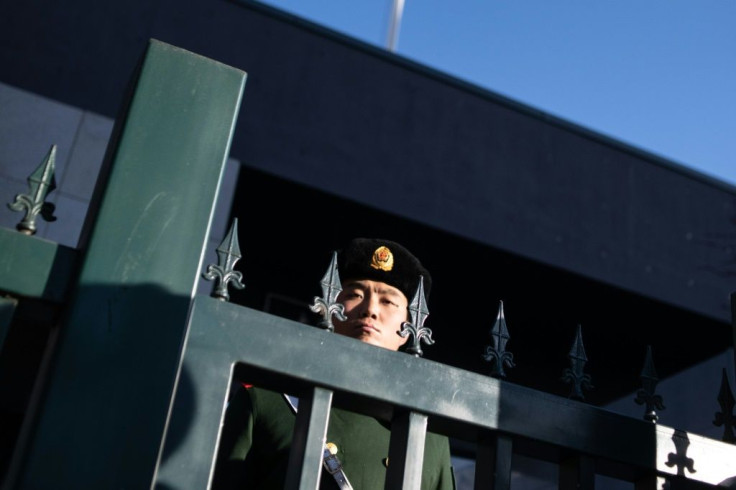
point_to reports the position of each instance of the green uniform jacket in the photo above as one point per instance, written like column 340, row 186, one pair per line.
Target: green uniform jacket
column 255, row 441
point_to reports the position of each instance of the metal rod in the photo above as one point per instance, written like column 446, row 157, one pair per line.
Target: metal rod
column 392, row 39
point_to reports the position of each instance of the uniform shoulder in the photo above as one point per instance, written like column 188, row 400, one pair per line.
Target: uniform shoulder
column 261, row 400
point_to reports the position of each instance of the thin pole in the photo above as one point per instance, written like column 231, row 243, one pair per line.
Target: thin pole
column 395, row 22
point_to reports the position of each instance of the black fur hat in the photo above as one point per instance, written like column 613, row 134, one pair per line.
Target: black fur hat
column 385, row 261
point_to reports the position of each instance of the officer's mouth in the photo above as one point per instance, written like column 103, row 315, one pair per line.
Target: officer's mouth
column 369, row 329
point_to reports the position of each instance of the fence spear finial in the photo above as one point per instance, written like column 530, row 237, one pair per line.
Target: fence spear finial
column 574, row 374
column 41, row 182
column 725, row 416
column 228, row 254
column 415, row 328
column 326, row 305
column 646, row 395
column 496, row 353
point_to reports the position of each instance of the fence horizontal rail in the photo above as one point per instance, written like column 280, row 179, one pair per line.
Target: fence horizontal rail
column 34, row 267
column 290, row 356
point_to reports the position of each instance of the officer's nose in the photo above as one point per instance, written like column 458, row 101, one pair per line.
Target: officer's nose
column 370, row 306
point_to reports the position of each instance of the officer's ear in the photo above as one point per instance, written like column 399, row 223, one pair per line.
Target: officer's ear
column 402, row 346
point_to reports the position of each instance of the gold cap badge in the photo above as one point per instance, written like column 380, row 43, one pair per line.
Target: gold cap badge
column 382, row 259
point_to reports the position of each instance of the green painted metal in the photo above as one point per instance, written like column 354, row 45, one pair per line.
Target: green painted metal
column 40, row 183
column 494, row 453
column 577, row 472
column 34, row 267
column 308, row 443
column 290, row 356
column 406, row 451
column 7, row 309
column 224, row 273
column 111, row 383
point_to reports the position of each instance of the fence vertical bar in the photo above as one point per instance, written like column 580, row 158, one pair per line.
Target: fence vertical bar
column 577, row 472
column 7, row 309
column 305, row 458
column 649, row 482
column 112, row 378
column 406, row 450
column 493, row 462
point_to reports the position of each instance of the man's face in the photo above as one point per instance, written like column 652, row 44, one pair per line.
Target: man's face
column 375, row 312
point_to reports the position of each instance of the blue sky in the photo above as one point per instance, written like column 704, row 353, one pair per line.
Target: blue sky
column 659, row 75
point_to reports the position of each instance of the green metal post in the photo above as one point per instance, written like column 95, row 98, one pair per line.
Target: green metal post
column 103, row 416
column 7, row 309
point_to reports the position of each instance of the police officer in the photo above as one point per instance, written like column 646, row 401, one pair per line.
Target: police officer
column 379, row 277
